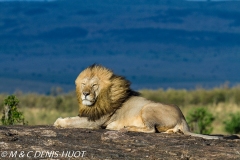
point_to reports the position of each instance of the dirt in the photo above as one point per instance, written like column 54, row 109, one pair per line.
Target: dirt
column 48, row 142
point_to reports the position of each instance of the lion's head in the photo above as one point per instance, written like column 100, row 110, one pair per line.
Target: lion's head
column 100, row 92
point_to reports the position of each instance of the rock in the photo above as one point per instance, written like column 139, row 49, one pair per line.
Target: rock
column 112, row 135
column 48, row 142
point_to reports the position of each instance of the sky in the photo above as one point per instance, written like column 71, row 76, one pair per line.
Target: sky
column 154, row 44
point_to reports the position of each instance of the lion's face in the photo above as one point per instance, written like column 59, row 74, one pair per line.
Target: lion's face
column 100, row 92
column 89, row 90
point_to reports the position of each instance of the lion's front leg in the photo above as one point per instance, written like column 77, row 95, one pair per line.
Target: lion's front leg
column 75, row 122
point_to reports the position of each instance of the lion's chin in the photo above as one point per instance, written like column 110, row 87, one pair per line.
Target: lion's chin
column 87, row 102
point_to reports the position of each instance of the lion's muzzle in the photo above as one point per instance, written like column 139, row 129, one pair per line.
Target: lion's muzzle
column 87, row 99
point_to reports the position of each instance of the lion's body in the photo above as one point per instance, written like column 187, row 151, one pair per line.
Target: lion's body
column 139, row 114
column 136, row 114
column 106, row 101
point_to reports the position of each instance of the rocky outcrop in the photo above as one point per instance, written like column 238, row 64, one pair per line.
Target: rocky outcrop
column 47, row 142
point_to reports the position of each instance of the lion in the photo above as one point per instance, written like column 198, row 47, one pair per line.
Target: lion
column 106, row 101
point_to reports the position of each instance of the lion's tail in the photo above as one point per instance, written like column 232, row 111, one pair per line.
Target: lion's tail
column 186, row 131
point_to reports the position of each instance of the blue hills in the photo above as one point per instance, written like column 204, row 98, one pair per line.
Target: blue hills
column 154, row 44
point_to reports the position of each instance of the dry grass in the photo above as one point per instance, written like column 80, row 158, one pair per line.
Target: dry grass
column 43, row 116
column 45, row 109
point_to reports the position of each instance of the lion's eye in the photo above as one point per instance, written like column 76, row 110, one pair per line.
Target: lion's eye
column 95, row 86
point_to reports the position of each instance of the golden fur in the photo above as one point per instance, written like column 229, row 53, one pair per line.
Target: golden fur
column 106, row 101
column 114, row 91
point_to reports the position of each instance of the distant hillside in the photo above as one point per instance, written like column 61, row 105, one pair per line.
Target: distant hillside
column 155, row 44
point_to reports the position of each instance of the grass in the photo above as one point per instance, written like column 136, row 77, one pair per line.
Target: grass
column 45, row 109
column 44, row 116
column 220, row 111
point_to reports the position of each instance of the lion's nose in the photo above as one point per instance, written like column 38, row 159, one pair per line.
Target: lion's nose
column 86, row 93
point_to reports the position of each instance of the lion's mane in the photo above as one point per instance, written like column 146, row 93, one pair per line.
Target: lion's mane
column 114, row 91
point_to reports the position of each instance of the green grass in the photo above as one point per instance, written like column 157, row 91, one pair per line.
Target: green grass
column 195, row 97
column 45, row 109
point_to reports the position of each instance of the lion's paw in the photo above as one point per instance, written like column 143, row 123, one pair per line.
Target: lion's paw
column 58, row 122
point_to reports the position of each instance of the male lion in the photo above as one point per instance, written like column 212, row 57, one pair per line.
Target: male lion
column 106, row 101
